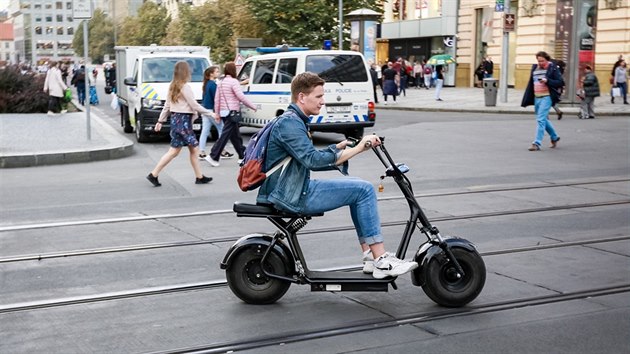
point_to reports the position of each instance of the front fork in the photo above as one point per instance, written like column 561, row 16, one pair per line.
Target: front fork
column 433, row 234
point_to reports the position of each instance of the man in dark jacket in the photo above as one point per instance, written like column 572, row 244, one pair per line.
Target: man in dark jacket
column 78, row 80
column 590, row 85
column 542, row 91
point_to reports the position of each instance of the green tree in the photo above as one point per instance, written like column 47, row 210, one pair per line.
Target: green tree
column 150, row 26
column 308, row 24
column 100, row 37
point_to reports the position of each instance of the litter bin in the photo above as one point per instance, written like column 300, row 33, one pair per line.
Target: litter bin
column 490, row 87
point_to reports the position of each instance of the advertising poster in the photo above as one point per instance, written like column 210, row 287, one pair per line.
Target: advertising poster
column 369, row 41
column 564, row 34
column 355, row 34
column 587, row 27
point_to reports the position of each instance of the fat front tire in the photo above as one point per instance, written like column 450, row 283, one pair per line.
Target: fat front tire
column 444, row 287
column 248, row 281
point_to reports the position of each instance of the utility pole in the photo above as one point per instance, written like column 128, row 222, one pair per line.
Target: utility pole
column 340, row 24
column 505, row 52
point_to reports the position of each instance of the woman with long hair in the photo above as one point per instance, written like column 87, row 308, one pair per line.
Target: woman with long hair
column 181, row 106
column 228, row 98
column 55, row 87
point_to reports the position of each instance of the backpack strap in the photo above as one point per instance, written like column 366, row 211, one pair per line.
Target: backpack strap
column 280, row 164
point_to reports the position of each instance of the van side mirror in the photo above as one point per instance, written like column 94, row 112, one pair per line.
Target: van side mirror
column 129, row 81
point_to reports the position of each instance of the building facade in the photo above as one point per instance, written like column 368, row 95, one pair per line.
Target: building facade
column 578, row 32
column 8, row 55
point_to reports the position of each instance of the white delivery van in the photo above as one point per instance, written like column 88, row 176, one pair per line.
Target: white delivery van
column 144, row 75
column 349, row 105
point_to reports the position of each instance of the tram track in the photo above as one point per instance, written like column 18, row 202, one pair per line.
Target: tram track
column 380, row 323
column 222, row 283
column 164, row 245
column 229, row 211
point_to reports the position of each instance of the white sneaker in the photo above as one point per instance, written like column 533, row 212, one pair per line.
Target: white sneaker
column 387, row 265
column 239, row 161
column 51, row 114
column 64, row 111
column 368, row 262
column 211, row 161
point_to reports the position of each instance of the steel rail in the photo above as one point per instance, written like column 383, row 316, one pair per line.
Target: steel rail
column 143, row 247
column 380, row 323
column 228, row 211
column 219, row 283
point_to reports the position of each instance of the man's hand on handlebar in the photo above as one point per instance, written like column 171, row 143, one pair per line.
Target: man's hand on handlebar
column 366, row 142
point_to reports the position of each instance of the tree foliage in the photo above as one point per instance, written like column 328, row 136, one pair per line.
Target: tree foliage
column 308, row 24
column 100, row 37
column 150, row 26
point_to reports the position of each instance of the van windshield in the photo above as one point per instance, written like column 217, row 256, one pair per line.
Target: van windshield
column 337, row 68
column 161, row 69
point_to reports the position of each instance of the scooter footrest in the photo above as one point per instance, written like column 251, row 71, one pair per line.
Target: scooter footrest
column 346, row 281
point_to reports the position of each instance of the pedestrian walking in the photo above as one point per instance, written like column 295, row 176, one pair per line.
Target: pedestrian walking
column 620, row 80
column 374, row 76
column 439, row 82
column 542, row 92
column 590, row 86
column 404, row 78
column 427, row 73
column 227, row 99
column 417, row 74
column 55, row 87
column 612, row 77
column 207, row 101
column 479, row 72
column 389, row 82
column 182, row 108
column 78, row 80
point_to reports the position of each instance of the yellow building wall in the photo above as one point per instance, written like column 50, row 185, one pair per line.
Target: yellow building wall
column 535, row 31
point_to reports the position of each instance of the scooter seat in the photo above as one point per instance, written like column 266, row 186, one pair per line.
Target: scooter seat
column 265, row 210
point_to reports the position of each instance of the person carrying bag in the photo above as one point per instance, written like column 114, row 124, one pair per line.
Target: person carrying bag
column 227, row 102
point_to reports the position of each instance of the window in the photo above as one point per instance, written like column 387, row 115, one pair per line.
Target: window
column 263, row 74
column 59, row 18
column 337, row 68
column 286, row 71
column 48, row 18
column 38, row 19
column 69, row 18
column 49, row 30
column 48, row 6
column 60, row 30
column 161, row 69
column 245, row 70
column 38, row 30
column 69, row 5
column 70, row 30
column 37, row 6
column 59, row 5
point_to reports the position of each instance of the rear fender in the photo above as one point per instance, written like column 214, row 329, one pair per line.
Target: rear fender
column 255, row 240
column 430, row 250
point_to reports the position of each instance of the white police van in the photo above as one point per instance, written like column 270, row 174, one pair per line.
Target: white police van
column 349, row 106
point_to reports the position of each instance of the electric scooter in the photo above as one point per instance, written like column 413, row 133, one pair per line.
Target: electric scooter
column 260, row 267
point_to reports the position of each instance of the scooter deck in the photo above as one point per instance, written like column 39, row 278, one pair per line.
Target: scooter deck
column 347, row 281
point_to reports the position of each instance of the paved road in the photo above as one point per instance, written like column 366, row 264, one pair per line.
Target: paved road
column 69, row 231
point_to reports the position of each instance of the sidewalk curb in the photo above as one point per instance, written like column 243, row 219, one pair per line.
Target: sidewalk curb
column 117, row 147
column 528, row 110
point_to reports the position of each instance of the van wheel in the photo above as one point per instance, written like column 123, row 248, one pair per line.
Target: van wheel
column 354, row 133
column 141, row 136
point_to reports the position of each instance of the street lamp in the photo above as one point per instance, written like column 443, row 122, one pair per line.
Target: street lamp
column 340, row 24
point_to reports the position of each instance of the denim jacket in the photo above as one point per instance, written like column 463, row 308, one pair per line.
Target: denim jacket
column 286, row 189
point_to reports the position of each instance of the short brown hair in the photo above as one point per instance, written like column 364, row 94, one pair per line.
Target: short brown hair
column 305, row 83
column 230, row 69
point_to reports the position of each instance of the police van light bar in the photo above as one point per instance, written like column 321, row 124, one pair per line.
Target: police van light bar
column 279, row 48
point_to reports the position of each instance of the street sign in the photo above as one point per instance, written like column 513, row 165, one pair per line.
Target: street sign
column 499, row 6
column 239, row 61
column 82, row 9
column 508, row 22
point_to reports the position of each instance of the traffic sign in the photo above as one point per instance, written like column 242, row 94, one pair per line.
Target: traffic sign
column 239, row 61
column 508, row 22
column 82, row 9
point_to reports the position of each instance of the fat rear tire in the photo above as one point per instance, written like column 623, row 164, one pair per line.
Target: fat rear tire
column 247, row 280
column 443, row 287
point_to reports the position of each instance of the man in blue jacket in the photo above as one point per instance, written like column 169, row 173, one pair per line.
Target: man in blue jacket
column 542, row 91
column 293, row 190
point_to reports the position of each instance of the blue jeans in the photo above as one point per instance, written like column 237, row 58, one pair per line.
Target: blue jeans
column 542, row 106
column 207, row 123
column 329, row 194
column 81, row 93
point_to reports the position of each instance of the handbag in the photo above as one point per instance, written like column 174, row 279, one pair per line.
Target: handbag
column 67, row 95
column 616, row 92
column 235, row 117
